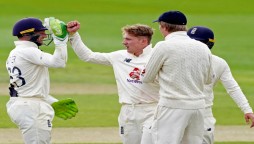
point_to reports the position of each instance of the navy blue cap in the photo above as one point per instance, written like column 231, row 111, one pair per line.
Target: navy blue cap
column 173, row 17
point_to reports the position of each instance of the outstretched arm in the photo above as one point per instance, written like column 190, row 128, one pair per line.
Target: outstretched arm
column 235, row 92
column 81, row 50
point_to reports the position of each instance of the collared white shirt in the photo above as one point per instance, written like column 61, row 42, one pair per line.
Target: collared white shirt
column 183, row 66
column 127, row 69
column 28, row 66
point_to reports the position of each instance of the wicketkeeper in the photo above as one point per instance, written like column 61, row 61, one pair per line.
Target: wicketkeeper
column 30, row 106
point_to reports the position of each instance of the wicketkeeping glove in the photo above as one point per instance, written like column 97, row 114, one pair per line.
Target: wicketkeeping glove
column 58, row 30
column 65, row 109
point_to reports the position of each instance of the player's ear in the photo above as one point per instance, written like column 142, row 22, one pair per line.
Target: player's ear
column 144, row 40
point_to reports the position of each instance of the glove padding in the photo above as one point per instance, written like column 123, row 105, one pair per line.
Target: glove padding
column 58, row 30
column 65, row 109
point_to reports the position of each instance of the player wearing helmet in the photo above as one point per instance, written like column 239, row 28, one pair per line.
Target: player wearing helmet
column 30, row 29
column 221, row 72
column 29, row 106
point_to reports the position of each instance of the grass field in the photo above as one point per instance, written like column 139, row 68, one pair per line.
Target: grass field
column 101, row 21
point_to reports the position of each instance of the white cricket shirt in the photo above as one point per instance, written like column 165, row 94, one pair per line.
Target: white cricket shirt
column 28, row 66
column 222, row 72
column 128, row 70
column 183, row 66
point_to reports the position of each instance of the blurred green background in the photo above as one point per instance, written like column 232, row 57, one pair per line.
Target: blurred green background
column 101, row 20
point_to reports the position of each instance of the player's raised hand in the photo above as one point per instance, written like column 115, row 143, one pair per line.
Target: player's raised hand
column 72, row 27
column 249, row 117
column 58, row 30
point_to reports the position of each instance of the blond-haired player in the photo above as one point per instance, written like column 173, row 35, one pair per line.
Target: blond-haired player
column 138, row 99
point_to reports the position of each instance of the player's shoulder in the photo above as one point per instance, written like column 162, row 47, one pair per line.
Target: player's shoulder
column 163, row 44
column 217, row 59
column 26, row 50
column 119, row 52
column 31, row 50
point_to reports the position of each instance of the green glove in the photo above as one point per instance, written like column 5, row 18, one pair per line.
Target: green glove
column 57, row 27
column 65, row 109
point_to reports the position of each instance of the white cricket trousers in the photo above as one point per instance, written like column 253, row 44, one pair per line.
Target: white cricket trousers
column 177, row 126
column 34, row 118
column 209, row 127
column 132, row 119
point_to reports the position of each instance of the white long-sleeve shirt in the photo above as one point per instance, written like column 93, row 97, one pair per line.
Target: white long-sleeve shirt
column 28, row 66
column 223, row 74
column 127, row 69
column 183, row 66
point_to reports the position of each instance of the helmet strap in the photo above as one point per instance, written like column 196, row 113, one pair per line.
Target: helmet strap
column 48, row 40
column 210, row 44
column 34, row 38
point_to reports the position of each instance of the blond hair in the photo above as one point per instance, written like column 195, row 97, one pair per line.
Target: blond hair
column 173, row 27
column 138, row 30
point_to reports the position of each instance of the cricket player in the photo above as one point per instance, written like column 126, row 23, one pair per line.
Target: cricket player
column 222, row 73
column 30, row 106
column 138, row 99
column 184, row 67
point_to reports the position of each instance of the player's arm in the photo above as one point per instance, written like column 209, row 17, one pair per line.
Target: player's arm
column 154, row 64
column 50, row 99
column 210, row 70
column 57, row 59
column 38, row 57
column 81, row 50
column 60, row 37
column 234, row 90
column 58, row 30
